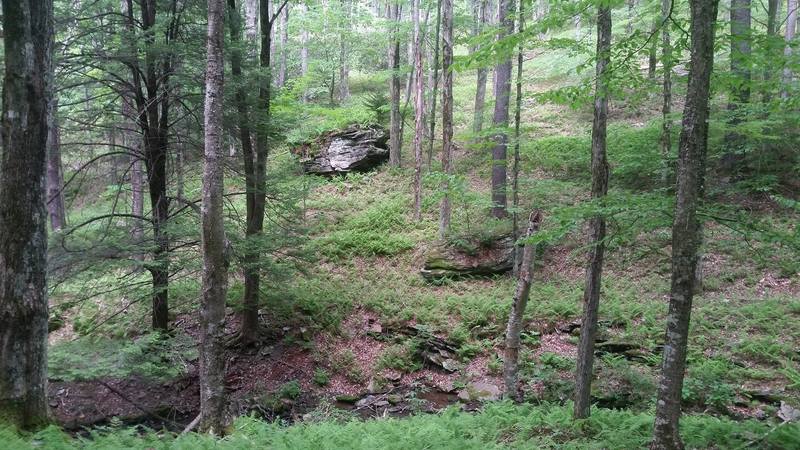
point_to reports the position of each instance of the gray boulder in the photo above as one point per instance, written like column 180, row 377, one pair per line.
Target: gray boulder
column 354, row 149
column 446, row 260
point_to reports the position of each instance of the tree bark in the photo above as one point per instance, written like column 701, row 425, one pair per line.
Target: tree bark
column 419, row 109
column 55, row 177
column 393, row 11
column 597, row 224
column 791, row 26
column 480, row 90
column 251, row 22
column 502, row 94
column 435, row 82
column 215, row 268
column 740, row 93
column 772, row 32
column 447, row 116
column 517, row 133
column 514, row 327
column 665, row 140
column 281, row 80
column 27, row 104
column 686, row 231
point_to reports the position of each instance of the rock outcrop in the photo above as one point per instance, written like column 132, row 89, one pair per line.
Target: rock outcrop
column 446, row 260
column 354, row 149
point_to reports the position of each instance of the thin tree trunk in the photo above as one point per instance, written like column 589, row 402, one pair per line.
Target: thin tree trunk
column 281, row 80
column 394, row 88
column 517, row 132
column 480, row 90
column 251, row 22
column 686, row 231
column 631, row 17
column 447, row 117
column 249, row 314
column 740, row 95
column 514, row 327
column 597, row 224
column 344, row 67
column 772, row 33
column 435, row 80
column 27, row 105
column 665, row 140
column 419, row 109
column 215, row 267
column 55, row 177
column 652, row 56
column 791, row 26
column 304, row 49
column 502, row 94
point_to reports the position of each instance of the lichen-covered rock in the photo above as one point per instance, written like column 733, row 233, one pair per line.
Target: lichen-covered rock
column 354, row 149
column 446, row 260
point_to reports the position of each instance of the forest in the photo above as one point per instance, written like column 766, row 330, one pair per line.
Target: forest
column 400, row 224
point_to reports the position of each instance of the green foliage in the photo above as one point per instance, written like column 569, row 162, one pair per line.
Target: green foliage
column 707, row 383
column 378, row 230
column 403, row 357
column 151, row 356
column 497, row 426
column 321, row 377
column 290, row 390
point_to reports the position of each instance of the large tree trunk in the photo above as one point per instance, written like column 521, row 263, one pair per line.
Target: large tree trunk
column 517, row 133
column 447, row 116
column 27, row 97
column 502, row 94
column 740, row 95
column 791, row 26
column 215, row 267
column 665, row 140
column 597, row 224
column 686, row 231
column 395, row 139
column 435, row 81
column 419, row 109
column 251, row 22
column 55, row 177
column 514, row 327
column 480, row 90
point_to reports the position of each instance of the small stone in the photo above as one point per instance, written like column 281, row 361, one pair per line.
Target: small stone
column 346, row 398
column 788, row 413
column 394, row 399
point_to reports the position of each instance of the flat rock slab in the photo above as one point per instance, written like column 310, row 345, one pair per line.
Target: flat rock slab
column 354, row 149
column 445, row 260
column 480, row 391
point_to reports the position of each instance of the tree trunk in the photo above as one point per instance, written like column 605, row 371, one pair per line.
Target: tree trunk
column 304, row 49
column 419, row 109
column 542, row 9
column 344, row 68
column 791, row 26
column 514, row 328
column 686, row 235
column 772, row 32
column 652, row 56
column 251, row 22
column 281, row 80
column 27, row 105
column 249, row 314
column 517, row 128
column 502, row 94
column 394, row 87
column 55, row 177
column 740, row 95
column 597, row 224
column 631, row 17
column 435, row 80
column 480, row 90
column 215, row 267
column 447, row 116
column 665, row 140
